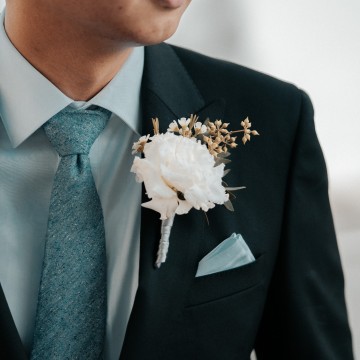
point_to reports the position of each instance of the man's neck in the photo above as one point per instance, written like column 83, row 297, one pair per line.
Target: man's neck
column 79, row 64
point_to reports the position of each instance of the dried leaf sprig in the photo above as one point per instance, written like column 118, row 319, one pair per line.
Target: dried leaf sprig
column 216, row 135
column 246, row 124
column 219, row 139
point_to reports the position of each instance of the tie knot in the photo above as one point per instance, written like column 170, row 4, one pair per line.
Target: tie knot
column 73, row 131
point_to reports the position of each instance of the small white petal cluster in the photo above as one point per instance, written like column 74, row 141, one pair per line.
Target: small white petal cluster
column 183, row 122
column 139, row 145
column 200, row 127
column 179, row 174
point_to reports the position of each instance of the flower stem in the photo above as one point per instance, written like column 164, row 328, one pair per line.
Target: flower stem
column 166, row 226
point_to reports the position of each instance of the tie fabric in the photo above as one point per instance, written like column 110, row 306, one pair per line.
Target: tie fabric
column 71, row 311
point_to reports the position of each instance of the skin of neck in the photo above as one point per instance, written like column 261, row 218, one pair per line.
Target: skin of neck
column 76, row 60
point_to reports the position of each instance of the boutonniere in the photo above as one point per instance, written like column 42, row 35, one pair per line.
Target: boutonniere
column 184, row 169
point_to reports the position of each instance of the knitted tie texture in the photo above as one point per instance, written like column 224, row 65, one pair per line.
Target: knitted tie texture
column 71, row 311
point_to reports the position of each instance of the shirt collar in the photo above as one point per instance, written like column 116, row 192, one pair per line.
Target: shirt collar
column 28, row 99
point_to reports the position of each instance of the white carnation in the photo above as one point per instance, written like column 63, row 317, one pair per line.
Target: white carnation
column 176, row 166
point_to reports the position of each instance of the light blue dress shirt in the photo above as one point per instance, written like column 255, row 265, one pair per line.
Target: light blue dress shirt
column 27, row 167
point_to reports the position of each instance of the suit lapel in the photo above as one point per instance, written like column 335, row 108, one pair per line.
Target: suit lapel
column 11, row 346
column 167, row 93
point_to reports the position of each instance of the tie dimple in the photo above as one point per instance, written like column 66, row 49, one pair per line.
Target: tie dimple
column 71, row 312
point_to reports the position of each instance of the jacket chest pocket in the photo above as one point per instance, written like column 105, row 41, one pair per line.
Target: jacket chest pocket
column 226, row 283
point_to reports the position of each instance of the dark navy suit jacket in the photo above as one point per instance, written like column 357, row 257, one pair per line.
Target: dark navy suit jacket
column 289, row 303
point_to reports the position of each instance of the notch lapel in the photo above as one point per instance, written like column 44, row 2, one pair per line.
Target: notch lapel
column 167, row 93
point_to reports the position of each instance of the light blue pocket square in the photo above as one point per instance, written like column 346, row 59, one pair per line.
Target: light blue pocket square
column 229, row 254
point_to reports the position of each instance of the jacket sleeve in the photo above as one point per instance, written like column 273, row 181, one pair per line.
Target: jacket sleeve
column 305, row 314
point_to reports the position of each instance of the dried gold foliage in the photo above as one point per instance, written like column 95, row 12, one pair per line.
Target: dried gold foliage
column 246, row 124
column 155, row 123
column 215, row 135
column 220, row 139
column 193, row 121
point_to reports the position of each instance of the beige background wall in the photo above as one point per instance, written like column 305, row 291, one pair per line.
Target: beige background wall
column 316, row 46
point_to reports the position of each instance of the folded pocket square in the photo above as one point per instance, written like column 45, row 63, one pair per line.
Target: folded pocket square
column 229, row 254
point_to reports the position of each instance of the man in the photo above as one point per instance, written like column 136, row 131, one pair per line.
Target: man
column 69, row 68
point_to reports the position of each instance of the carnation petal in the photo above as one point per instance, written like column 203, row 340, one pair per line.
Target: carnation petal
column 183, row 208
column 166, row 207
column 146, row 171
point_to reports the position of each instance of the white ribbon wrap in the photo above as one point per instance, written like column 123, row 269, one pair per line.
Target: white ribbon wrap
column 166, row 226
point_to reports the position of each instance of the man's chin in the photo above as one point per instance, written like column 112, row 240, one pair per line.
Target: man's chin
column 153, row 37
column 159, row 28
column 172, row 4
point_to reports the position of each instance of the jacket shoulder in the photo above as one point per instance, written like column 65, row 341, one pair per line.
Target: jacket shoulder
column 215, row 77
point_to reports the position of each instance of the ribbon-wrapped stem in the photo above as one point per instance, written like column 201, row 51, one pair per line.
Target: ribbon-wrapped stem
column 166, row 226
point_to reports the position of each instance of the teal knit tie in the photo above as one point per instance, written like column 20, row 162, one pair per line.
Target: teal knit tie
column 71, row 311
